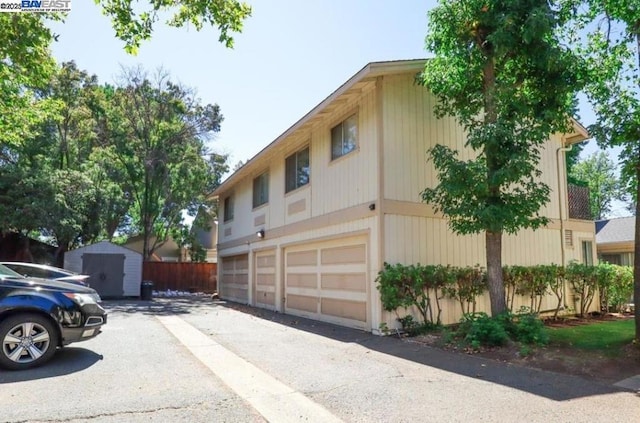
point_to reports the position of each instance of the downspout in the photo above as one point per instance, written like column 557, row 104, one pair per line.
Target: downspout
column 560, row 202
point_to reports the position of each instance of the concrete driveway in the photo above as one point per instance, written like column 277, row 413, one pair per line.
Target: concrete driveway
column 199, row 361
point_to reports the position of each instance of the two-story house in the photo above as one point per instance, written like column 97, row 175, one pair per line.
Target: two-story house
column 308, row 222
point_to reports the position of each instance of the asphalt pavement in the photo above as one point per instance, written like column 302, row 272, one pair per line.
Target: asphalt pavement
column 197, row 360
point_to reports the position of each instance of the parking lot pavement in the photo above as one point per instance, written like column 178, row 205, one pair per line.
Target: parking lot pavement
column 135, row 371
column 185, row 359
column 365, row 378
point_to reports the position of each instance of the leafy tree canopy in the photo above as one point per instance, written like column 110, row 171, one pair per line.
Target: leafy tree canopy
column 501, row 72
column 134, row 20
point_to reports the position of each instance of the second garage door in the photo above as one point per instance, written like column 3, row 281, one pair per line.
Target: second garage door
column 328, row 281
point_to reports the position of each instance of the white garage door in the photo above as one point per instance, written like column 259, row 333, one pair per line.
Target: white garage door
column 328, row 281
column 235, row 278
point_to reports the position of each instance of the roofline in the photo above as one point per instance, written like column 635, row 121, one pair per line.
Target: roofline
column 580, row 133
column 372, row 69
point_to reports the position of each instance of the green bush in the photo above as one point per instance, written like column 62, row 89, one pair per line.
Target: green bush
column 530, row 329
column 478, row 329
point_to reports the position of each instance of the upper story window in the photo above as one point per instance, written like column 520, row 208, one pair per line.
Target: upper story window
column 344, row 137
column 261, row 190
column 228, row 208
column 297, row 170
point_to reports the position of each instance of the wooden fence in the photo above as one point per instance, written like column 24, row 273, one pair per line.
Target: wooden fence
column 191, row 277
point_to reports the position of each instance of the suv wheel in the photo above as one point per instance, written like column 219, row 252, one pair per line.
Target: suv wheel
column 26, row 340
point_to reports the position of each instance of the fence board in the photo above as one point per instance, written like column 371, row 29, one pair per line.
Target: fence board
column 191, row 277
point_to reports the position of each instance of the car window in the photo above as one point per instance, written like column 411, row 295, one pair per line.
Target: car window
column 5, row 271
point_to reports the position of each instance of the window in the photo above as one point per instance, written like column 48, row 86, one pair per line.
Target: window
column 261, row 190
column 587, row 253
column 344, row 137
column 297, row 170
column 228, row 208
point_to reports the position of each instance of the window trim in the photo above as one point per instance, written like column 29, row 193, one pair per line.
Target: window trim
column 353, row 114
column 253, row 190
column 226, row 206
column 295, row 155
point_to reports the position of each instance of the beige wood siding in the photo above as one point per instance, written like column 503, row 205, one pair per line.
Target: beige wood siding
column 410, row 129
column 265, row 279
column 328, row 281
column 234, row 282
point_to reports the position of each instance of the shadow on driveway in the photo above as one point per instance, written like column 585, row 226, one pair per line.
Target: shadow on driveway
column 555, row 386
column 66, row 361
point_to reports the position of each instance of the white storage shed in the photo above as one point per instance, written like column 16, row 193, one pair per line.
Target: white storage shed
column 114, row 271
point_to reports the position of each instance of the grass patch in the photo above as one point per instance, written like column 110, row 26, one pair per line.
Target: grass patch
column 605, row 337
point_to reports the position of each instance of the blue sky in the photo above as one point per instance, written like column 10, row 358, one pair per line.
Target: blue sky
column 290, row 56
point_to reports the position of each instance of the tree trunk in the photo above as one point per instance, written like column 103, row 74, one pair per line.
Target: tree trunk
column 636, row 246
column 494, row 272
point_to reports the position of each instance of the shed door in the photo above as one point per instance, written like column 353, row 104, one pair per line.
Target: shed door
column 328, row 281
column 106, row 273
column 264, row 287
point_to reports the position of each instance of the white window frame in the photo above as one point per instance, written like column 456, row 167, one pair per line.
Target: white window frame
column 337, row 135
column 260, row 190
column 296, row 170
column 228, row 207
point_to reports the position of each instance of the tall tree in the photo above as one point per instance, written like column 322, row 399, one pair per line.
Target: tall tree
column 599, row 172
column 157, row 133
column 612, row 49
column 500, row 70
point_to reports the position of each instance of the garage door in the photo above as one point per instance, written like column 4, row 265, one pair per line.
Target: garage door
column 265, row 279
column 328, row 281
column 235, row 278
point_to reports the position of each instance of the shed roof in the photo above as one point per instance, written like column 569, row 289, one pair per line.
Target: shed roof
column 621, row 229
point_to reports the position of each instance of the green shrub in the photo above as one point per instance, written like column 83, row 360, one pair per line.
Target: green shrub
column 530, row 329
column 478, row 329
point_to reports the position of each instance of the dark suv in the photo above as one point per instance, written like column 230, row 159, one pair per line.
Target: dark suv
column 39, row 315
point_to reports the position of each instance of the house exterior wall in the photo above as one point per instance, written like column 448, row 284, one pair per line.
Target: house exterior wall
column 373, row 194
column 414, row 233
column 132, row 264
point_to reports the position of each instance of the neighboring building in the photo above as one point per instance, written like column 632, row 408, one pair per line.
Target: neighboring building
column 168, row 251
column 614, row 240
column 308, row 222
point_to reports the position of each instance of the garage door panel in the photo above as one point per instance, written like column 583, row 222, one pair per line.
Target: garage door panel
column 264, row 289
column 345, row 309
column 344, row 281
column 302, row 303
column 266, row 297
column 302, row 280
column 266, row 279
column 344, row 255
column 302, row 258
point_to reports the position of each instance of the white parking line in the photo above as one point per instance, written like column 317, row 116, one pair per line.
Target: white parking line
column 273, row 399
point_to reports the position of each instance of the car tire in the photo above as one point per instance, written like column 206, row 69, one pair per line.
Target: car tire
column 26, row 340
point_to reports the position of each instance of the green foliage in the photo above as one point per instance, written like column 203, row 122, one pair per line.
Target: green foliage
column 615, row 286
column 584, row 283
column 606, row 337
column 478, row 329
column 530, row 329
column 468, row 284
column 135, row 24
column 501, row 72
column 599, row 172
column 156, row 131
